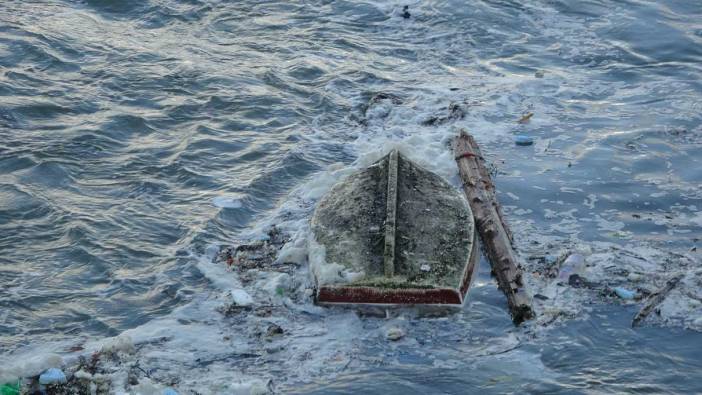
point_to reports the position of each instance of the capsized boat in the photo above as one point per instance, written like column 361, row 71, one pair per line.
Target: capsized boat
column 393, row 233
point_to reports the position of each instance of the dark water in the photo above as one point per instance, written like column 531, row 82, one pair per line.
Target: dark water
column 121, row 121
column 609, row 358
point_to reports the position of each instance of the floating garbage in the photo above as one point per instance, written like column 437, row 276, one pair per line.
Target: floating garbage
column 523, row 140
column 577, row 281
column 52, row 376
column 624, row 293
column 10, row 389
column 395, row 334
column 526, row 117
column 241, row 297
column 227, row 202
column 656, row 298
column 574, row 264
column 274, row 330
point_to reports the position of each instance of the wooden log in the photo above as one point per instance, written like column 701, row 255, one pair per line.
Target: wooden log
column 655, row 299
column 494, row 233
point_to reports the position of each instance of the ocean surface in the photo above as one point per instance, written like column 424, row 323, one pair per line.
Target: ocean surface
column 138, row 136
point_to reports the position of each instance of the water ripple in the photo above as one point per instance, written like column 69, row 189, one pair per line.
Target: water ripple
column 121, row 122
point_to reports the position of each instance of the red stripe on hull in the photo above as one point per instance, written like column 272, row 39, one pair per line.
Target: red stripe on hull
column 371, row 295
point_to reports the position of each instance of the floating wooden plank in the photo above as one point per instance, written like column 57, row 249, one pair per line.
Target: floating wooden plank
column 655, row 299
column 494, row 232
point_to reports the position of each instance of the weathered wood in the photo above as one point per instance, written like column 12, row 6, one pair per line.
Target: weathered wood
column 391, row 217
column 398, row 213
column 494, row 233
column 655, row 299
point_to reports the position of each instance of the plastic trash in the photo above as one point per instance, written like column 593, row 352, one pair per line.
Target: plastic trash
column 575, row 260
column 241, row 298
column 624, row 293
column 169, row 391
column 574, row 264
column 274, row 330
column 525, row 118
column 523, row 140
column 565, row 273
column 576, row 281
column 394, row 334
column 10, row 389
column 52, row 376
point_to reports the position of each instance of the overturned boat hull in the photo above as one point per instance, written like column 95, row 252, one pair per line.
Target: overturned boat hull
column 393, row 234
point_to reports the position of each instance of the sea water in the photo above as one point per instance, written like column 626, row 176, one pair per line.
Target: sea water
column 138, row 136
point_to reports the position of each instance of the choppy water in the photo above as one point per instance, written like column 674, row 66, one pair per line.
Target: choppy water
column 136, row 134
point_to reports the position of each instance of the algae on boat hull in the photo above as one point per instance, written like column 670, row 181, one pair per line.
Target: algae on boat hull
column 434, row 228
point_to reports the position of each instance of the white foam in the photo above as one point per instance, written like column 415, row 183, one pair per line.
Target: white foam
column 28, row 365
column 227, row 202
column 326, row 272
column 241, row 297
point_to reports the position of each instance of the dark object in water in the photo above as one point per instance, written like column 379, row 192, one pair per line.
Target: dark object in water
column 523, row 140
column 405, row 12
column 455, row 112
column 494, row 233
column 405, row 234
column 656, row 299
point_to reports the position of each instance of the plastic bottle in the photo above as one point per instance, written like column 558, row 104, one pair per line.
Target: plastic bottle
column 10, row 389
column 574, row 264
column 52, row 376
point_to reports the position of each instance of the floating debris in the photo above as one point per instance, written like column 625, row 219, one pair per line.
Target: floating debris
column 496, row 236
column 525, row 118
column 10, row 389
column 624, row 293
column 52, row 376
column 455, row 112
column 574, row 264
column 656, row 299
column 421, row 218
column 405, row 12
column 274, row 330
column 394, row 334
column 257, row 254
column 523, row 140
column 378, row 106
column 577, row 281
